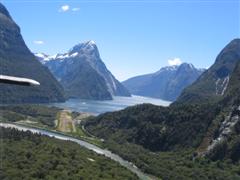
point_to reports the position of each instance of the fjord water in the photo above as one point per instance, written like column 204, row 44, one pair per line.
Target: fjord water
column 98, row 107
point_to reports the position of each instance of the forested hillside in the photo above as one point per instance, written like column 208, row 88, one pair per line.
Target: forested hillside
column 213, row 83
column 195, row 134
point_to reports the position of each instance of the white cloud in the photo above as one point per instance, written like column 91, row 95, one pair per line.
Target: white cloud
column 75, row 9
column 174, row 61
column 64, row 8
column 38, row 42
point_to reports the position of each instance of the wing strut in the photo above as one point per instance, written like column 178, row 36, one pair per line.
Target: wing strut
column 18, row 81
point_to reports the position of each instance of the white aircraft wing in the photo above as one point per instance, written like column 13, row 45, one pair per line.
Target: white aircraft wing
column 18, row 81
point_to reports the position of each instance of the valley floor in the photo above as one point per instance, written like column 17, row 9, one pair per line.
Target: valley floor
column 68, row 124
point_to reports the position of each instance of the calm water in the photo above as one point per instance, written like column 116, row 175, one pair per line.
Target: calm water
column 98, row 107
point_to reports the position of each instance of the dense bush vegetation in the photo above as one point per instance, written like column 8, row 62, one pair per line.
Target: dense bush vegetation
column 30, row 156
column 155, row 128
column 177, row 165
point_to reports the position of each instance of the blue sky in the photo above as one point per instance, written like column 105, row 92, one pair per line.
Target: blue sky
column 133, row 37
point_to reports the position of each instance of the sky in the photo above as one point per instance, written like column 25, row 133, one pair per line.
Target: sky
column 133, row 37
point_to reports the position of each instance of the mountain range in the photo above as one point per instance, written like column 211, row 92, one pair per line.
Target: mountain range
column 166, row 84
column 205, row 121
column 17, row 60
column 83, row 74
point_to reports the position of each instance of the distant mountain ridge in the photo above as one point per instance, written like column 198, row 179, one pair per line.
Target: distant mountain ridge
column 83, row 74
column 17, row 60
column 167, row 83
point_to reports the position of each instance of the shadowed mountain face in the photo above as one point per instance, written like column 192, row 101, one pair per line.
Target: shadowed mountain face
column 17, row 60
column 213, row 83
column 167, row 83
column 83, row 74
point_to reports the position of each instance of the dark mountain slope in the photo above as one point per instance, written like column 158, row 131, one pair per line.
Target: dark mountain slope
column 232, row 95
column 17, row 60
column 222, row 138
column 213, row 83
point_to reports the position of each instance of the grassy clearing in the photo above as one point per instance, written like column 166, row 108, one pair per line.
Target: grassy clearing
column 65, row 122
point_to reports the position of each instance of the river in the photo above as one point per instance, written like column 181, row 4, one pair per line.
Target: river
column 87, row 145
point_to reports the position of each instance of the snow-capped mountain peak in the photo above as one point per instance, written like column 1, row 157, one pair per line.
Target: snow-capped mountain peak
column 167, row 68
column 43, row 58
column 87, row 48
column 84, row 54
column 91, row 42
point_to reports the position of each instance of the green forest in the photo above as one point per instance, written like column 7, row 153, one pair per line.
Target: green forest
column 157, row 141
column 31, row 156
